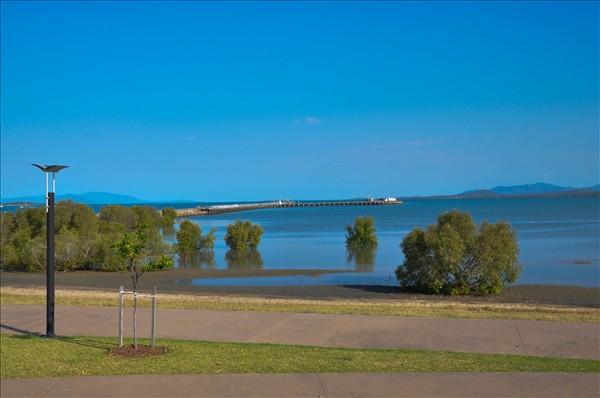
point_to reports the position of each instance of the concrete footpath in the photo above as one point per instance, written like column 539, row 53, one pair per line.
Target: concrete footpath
column 313, row 385
column 534, row 338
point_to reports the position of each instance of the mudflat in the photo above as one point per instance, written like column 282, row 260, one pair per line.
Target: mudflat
column 179, row 281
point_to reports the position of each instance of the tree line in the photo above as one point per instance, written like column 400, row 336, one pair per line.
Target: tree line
column 112, row 239
column 83, row 240
column 453, row 256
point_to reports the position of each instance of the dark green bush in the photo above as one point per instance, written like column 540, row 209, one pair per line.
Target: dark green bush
column 457, row 257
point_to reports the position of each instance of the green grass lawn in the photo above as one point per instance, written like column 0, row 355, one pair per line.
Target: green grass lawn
column 28, row 356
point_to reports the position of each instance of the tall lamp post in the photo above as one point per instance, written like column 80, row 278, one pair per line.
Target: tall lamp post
column 50, row 246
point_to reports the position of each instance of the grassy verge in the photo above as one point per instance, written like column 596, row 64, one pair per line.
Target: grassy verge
column 29, row 356
column 437, row 309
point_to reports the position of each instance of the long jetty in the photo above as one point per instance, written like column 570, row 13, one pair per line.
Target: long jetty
column 232, row 208
column 21, row 205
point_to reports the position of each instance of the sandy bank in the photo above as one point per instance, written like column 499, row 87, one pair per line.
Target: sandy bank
column 178, row 281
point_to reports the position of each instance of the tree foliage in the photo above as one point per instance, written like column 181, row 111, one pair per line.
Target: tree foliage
column 190, row 239
column 120, row 215
column 457, row 257
column 74, row 216
column 147, row 215
column 168, row 216
column 243, row 235
column 23, row 242
column 82, row 239
column 362, row 235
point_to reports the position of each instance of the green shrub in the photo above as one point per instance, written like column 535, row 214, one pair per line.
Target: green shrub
column 190, row 239
column 243, row 235
column 362, row 234
column 457, row 257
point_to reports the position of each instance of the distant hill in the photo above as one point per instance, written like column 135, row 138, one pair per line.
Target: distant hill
column 479, row 193
column 90, row 198
column 531, row 190
column 537, row 189
column 104, row 198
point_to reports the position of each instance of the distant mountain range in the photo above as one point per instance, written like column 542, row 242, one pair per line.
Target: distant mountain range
column 539, row 189
column 90, row 198
column 535, row 190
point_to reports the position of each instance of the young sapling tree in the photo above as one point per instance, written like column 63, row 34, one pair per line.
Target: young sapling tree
column 131, row 248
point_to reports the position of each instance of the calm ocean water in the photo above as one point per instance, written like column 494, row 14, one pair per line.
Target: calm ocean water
column 559, row 240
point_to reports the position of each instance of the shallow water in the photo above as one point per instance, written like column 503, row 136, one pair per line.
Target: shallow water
column 559, row 239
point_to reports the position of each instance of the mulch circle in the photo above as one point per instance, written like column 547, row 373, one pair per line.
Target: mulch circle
column 128, row 351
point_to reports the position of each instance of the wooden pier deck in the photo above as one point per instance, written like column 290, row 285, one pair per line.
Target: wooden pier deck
column 232, row 208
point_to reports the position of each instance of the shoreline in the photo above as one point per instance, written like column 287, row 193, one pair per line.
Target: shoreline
column 178, row 281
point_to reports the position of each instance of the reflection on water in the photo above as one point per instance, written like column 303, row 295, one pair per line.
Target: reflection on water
column 198, row 259
column 558, row 237
column 243, row 259
column 362, row 257
column 168, row 232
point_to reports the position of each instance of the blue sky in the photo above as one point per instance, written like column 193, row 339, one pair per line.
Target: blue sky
column 298, row 100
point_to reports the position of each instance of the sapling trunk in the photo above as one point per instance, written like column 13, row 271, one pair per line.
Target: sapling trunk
column 135, row 276
column 134, row 279
column 134, row 318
